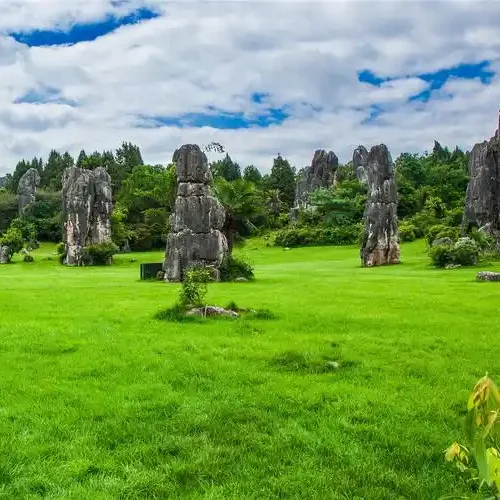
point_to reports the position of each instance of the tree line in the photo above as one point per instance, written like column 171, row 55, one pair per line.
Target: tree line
column 431, row 192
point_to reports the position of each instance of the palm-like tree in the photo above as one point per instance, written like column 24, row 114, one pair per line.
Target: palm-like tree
column 241, row 201
column 273, row 202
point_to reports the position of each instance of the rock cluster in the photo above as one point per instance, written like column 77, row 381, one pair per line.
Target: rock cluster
column 26, row 189
column 320, row 174
column 488, row 276
column 212, row 311
column 4, row 255
column 87, row 208
column 195, row 238
column 482, row 200
column 380, row 244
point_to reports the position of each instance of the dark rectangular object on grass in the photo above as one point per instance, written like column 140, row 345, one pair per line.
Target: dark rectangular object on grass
column 150, row 270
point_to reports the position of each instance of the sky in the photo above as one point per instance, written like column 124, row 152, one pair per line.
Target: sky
column 260, row 77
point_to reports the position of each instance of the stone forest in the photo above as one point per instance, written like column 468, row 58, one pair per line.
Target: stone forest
column 204, row 329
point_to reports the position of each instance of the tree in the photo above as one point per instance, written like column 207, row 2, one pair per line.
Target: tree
column 92, row 161
column 148, row 196
column 54, row 168
column 241, row 200
column 252, row 174
column 21, row 168
column 81, row 159
column 273, row 202
column 27, row 229
column 127, row 157
column 282, row 178
column 12, row 239
column 226, row 169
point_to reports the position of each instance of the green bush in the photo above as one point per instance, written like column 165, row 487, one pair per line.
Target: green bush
column 302, row 236
column 485, row 241
column 464, row 252
column 8, row 209
column 407, row 231
column 194, row 287
column 61, row 248
column 100, row 254
column 28, row 258
column 440, row 231
column 441, row 255
column 233, row 268
column 13, row 240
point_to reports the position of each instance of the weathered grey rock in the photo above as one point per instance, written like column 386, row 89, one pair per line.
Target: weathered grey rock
column 359, row 162
column 453, row 266
column 4, row 254
column 320, row 174
column 26, row 189
column 380, row 244
column 102, row 208
column 442, row 241
column 241, row 279
column 482, row 200
column 488, row 276
column 200, row 214
column 212, row 311
column 87, row 208
column 196, row 238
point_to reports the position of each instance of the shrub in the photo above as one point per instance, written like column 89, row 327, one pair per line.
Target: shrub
column 175, row 313
column 13, row 240
column 485, row 241
column 407, row 231
column 464, row 252
column 301, row 236
column 61, row 248
column 28, row 258
column 441, row 255
column 194, row 287
column 100, row 254
column 264, row 314
column 233, row 268
column 61, row 252
column 441, row 231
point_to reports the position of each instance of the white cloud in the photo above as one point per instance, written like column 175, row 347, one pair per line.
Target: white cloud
column 201, row 54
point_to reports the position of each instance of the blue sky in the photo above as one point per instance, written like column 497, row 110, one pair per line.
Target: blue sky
column 293, row 77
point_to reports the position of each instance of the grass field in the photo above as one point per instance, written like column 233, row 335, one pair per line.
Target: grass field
column 100, row 400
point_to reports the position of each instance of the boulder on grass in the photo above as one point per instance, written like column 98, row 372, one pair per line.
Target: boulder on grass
column 212, row 311
column 488, row 276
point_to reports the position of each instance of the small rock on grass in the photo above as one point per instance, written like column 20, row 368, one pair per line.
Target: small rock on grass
column 212, row 311
column 488, row 276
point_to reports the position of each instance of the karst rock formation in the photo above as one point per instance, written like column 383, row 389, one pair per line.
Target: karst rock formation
column 195, row 238
column 4, row 254
column 380, row 244
column 482, row 200
column 87, row 208
column 26, row 189
column 321, row 174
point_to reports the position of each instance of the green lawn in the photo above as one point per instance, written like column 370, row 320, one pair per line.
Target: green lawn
column 100, row 400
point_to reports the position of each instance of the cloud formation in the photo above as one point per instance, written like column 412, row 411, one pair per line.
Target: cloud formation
column 260, row 78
